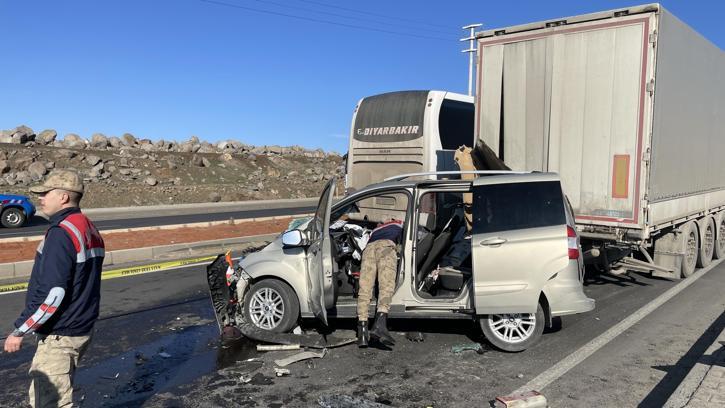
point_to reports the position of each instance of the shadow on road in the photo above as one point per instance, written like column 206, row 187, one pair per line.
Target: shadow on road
column 677, row 373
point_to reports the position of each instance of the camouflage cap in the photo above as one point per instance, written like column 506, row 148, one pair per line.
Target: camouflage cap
column 60, row 179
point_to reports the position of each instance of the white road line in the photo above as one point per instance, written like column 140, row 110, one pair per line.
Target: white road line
column 570, row 361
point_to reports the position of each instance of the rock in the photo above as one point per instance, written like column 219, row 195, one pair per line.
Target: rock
column 114, row 142
column 148, row 147
column 92, row 159
column 50, row 165
column 99, row 141
column 73, row 141
column 197, row 161
column 151, row 181
column 223, row 145
column 23, row 177
column 205, row 162
column 273, row 149
column 171, row 165
column 22, row 163
column 194, row 140
column 124, row 172
column 206, row 148
column 226, row 157
column 65, row 154
column 46, row 137
column 252, row 157
column 37, row 170
column 123, row 162
column 128, row 139
column 4, row 167
column 185, row 147
column 215, row 197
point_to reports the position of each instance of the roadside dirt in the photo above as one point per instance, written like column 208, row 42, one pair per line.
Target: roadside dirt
column 23, row 251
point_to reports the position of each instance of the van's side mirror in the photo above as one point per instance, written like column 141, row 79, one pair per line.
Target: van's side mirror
column 294, row 238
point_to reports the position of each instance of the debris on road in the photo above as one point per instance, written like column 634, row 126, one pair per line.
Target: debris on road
column 416, row 337
column 458, row 349
column 245, row 379
column 315, row 341
column 277, row 347
column 110, row 377
column 300, row 357
column 529, row 399
column 297, row 330
column 347, row 401
column 164, row 354
column 279, row 372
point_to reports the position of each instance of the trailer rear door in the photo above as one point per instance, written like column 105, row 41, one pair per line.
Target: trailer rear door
column 571, row 99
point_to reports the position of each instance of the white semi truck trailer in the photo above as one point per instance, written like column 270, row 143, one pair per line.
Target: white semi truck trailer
column 628, row 106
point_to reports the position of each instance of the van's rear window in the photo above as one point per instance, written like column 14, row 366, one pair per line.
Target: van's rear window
column 504, row 207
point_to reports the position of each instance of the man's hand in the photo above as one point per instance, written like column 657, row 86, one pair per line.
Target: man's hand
column 13, row 343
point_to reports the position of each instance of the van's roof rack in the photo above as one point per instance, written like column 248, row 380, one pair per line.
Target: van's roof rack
column 443, row 173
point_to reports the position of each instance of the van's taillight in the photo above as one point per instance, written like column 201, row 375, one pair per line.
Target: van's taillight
column 571, row 242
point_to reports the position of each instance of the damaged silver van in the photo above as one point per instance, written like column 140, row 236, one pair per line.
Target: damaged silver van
column 513, row 266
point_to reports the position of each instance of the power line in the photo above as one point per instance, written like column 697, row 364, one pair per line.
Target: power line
column 311, row 10
column 380, row 30
column 373, row 14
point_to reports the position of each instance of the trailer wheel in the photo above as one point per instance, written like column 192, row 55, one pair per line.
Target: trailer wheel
column 707, row 246
column 719, row 250
column 691, row 241
column 513, row 332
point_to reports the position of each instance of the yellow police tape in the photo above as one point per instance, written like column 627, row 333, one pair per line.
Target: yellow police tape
column 118, row 273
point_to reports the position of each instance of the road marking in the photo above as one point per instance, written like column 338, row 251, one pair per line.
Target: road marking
column 123, row 272
column 573, row 359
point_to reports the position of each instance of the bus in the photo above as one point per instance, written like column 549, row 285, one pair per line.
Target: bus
column 407, row 132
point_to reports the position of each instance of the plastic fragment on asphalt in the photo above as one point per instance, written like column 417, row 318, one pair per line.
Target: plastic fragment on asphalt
column 297, row 330
column 245, row 379
column 164, row 354
column 529, row 399
column 279, row 372
column 277, row 347
column 300, row 357
column 470, row 346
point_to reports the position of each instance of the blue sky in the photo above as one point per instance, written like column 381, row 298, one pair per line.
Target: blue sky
column 169, row 69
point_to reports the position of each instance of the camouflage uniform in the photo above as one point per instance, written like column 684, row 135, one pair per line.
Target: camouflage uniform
column 379, row 259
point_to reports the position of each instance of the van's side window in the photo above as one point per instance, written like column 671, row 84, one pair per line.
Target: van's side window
column 504, row 207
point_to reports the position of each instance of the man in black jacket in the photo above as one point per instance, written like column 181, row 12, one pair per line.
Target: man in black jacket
column 64, row 292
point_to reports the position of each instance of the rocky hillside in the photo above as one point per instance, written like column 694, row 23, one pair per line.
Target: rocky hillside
column 126, row 171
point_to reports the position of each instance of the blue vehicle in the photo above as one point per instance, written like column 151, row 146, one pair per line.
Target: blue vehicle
column 15, row 210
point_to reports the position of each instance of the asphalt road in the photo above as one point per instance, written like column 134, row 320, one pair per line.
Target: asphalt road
column 38, row 225
column 169, row 312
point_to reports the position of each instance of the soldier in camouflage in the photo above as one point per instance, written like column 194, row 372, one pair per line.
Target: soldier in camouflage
column 379, row 260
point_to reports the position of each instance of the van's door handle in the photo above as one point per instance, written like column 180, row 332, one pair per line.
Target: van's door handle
column 493, row 241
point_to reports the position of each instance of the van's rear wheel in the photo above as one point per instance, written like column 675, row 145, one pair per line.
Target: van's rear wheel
column 272, row 305
column 513, row 331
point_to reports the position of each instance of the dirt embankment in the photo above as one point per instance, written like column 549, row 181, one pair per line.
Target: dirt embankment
column 127, row 171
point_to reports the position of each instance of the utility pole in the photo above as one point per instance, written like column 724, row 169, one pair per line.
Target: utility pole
column 471, row 50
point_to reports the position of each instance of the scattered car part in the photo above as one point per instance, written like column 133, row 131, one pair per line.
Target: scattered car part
column 529, row 399
column 470, row 346
column 300, row 357
column 279, row 372
column 277, row 347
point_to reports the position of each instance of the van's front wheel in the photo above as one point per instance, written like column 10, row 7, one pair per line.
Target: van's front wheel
column 272, row 305
column 513, row 332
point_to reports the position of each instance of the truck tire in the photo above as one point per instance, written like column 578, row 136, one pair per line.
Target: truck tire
column 513, row 332
column 691, row 243
column 707, row 243
column 272, row 305
column 13, row 218
column 719, row 250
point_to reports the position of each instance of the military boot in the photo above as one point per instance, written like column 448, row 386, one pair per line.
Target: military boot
column 380, row 330
column 363, row 335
